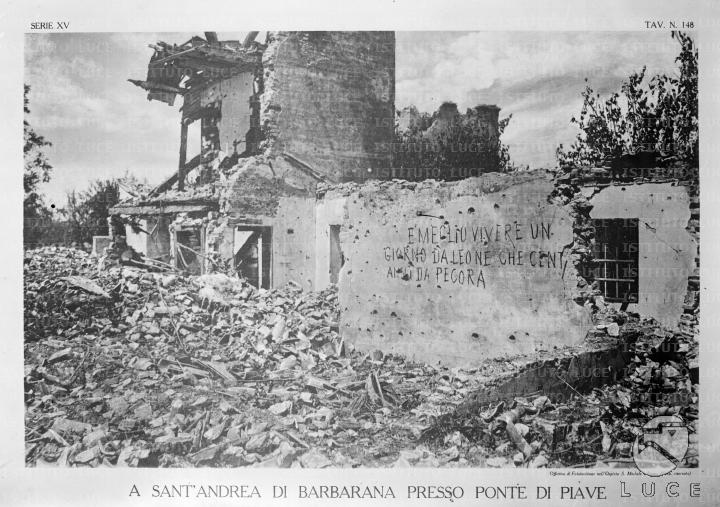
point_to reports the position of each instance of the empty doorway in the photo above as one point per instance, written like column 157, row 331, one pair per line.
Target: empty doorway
column 252, row 247
column 189, row 249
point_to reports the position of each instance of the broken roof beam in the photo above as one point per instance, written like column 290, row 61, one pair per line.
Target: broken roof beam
column 160, row 61
column 201, row 61
column 161, row 209
column 305, row 167
column 153, row 86
column 207, row 54
column 165, row 185
column 249, row 39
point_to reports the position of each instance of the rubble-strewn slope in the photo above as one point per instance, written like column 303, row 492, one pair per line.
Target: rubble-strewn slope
column 125, row 367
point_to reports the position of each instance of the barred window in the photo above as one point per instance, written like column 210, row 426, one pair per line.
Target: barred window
column 616, row 258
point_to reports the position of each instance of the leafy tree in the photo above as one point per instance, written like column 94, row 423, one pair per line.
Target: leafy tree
column 503, row 150
column 37, row 167
column 87, row 212
column 36, row 170
column 659, row 114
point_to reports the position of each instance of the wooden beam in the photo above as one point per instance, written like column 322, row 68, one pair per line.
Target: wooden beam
column 165, row 185
column 154, row 86
column 183, row 155
column 249, row 38
column 305, row 167
column 156, row 63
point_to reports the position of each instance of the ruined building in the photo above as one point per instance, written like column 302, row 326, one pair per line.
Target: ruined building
column 447, row 145
column 276, row 119
column 294, row 180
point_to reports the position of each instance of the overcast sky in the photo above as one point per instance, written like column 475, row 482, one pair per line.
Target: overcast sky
column 102, row 126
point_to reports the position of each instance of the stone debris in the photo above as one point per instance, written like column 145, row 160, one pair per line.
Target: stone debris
column 136, row 368
column 613, row 329
column 595, row 428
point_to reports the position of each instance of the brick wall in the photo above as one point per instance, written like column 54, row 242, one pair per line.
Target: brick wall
column 328, row 100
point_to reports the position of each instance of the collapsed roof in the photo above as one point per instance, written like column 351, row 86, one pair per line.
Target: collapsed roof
column 177, row 69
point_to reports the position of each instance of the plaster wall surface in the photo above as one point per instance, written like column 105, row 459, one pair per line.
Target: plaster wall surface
column 666, row 252
column 224, row 242
column 234, row 96
column 294, row 242
column 158, row 242
column 458, row 272
column 137, row 240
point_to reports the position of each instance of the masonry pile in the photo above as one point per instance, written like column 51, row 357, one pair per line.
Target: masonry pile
column 128, row 367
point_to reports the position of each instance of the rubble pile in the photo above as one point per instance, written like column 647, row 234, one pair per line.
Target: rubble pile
column 126, row 367
column 129, row 367
column 596, row 428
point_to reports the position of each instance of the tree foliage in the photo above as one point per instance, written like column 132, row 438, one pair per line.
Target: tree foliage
column 37, row 167
column 36, row 170
column 658, row 114
column 503, row 150
column 87, row 212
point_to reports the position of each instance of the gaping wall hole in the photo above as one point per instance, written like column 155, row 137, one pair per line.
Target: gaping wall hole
column 252, row 248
